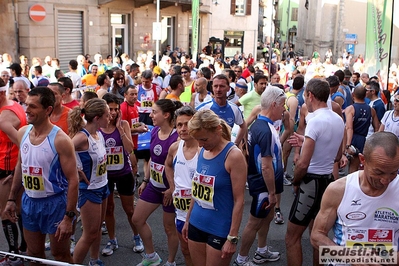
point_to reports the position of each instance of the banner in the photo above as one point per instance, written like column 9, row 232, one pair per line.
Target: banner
column 378, row 37
column 194, row 29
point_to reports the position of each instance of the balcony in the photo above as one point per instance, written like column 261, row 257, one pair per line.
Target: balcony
column 185, row 4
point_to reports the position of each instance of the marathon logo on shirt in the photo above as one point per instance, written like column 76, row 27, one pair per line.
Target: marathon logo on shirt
column 386, row 215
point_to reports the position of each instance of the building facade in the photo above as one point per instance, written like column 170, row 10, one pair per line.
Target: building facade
column 338, row 25
column 108, row 27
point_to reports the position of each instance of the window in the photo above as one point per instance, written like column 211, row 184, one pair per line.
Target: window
column 240, row 7
column 294, row 14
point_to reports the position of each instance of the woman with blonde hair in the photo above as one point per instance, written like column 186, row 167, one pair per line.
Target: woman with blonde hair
column 91, row 158
column 215, row 214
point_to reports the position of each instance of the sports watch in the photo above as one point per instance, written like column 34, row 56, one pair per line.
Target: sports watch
column 70, row 214
column 233, row 239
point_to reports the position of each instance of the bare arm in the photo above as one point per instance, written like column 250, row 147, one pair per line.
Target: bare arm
column 304, row 160
column 327, row 215
column 268, row 176
column 126, row 136
column 288, row 127
column 375, row 122
column 169, row 173
column 242, row 133
column 237, row 168
column 10, row 210
column 300, row 130
column 192, row 101
column 254, row 114
column 66, row 154
column 9, row 124
column 349, row 111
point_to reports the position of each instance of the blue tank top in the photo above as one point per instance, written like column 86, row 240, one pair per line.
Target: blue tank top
column 118, row 163
column 159, row 151
column 339, row 94
column 213, row 195
column 362, row 119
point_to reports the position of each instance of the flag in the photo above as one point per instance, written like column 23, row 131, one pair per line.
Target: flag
column 194, row 29
column 378, row 37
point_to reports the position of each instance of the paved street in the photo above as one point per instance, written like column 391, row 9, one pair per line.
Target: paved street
column 125, row 255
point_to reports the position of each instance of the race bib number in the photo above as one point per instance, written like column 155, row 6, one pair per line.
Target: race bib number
column 101, row 166
column 203, row 190
column 33, row 179
column 370, row 238
column 115, row 159
column 156, row 172
column 182, row 199
column 147, row 102
column 135, row 124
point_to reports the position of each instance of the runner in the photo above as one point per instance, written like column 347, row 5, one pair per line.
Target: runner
column 180, row 166
column 50, row 180
column 155, row 189
column 218, row 191
column 119, row 145
column 91, row 160
column 357, row 201
column 12, row 117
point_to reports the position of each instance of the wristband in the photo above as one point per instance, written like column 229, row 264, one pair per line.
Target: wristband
column 146, row 180
column 124, row 134
column 13, row 200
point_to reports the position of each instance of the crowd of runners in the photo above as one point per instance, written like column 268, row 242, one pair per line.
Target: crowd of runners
column 208, row 131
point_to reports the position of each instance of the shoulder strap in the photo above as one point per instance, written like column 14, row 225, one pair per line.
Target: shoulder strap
column 28, row 129
column 51, row 138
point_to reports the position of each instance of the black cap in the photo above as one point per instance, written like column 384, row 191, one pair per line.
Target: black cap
column 333, row 81
column 17, row 68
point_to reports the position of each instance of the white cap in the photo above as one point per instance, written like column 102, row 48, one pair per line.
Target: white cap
column 4, row 88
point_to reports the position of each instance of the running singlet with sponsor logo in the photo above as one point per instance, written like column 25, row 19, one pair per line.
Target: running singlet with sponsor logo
column 365, row 221
column 183, row 174
column 159, row 150
column 94, row 162
column 42, row 175
column 213, row 195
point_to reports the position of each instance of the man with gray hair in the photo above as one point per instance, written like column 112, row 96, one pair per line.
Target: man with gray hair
column 265, row 175
column 322, row 146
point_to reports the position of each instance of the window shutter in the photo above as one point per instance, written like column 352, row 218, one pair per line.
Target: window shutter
column 248, row 8
column 233, row 7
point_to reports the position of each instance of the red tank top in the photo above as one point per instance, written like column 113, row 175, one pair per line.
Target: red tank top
column 131, row 115
column 8, row 150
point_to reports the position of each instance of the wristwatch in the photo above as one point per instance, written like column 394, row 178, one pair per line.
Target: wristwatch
column 233, row 239
column 70, row 214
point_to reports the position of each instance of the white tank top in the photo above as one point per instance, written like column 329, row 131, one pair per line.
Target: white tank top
column 183, row 174
column 365, row 220
column 94, row 162
column 42, row 175
column 197, row 102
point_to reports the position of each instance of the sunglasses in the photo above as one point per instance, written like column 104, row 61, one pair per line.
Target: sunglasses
column 120, row 79
column 184, row 72
column 278, row 96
